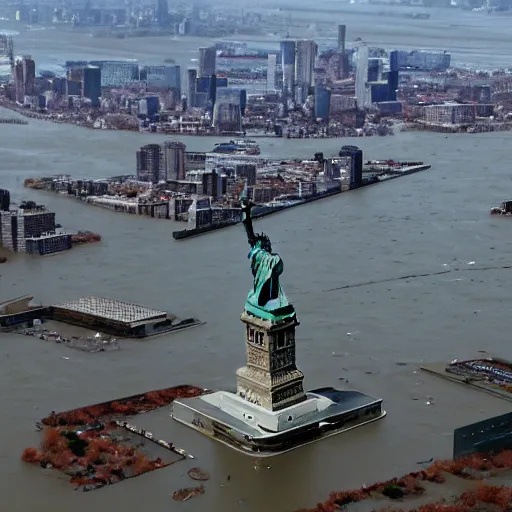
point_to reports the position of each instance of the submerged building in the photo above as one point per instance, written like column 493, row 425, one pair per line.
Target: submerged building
column 157, row 162
column 31, row 229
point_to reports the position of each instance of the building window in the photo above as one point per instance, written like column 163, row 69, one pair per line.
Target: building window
column 256, row 337
column 280, row 339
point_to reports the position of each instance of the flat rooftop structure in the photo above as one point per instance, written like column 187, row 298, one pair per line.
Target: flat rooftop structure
column 113, row 310
column 118, row 318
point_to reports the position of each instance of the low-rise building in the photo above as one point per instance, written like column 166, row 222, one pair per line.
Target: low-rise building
column 450, row 113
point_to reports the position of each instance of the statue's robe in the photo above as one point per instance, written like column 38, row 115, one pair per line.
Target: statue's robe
column 266, row 268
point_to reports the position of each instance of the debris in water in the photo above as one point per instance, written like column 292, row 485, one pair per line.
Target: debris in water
column 85, row 237
column 186, row 494
column 197, row 474
column 84, row 343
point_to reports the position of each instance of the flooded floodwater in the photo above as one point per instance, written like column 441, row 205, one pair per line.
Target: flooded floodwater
column 409, row 271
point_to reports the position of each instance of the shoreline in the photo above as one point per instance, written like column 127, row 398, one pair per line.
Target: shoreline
column 260, row 211
column 246, row 134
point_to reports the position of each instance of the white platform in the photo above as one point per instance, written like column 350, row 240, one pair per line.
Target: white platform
column 252, row 429
column 257, row 416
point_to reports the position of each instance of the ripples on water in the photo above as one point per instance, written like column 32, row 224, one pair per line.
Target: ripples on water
column 390, row 263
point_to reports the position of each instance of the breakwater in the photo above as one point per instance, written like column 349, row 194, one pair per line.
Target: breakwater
column 265, row 210
column 259, row 211
column 12, row 120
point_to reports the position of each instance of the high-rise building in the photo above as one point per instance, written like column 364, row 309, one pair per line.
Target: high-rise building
column 18, row 81
column 213, row 90
column 29, row 75
column 207, row 61
column 31, row 229
column 5, row 200
column 362, row 77
column 305, row 62
column 184, row 27
column 247, row 171
column 73, row 88
column 420, row 60
column 6, row 57
column 243, row 101
column 227, row 117
column 375, row 69
column 163, row 77
column 322, row 103
column 229, row 95
column 91, row 84
column 288, row 65
column 191, row 87
column 161, row 162
column 149, row 106
column 24, row 78
column 174, row 160
column 392, row 85
column 149, row 163
column 119, row 74
column 162, row 13
column 356, row 164
column 271, row 72
column 342, row 30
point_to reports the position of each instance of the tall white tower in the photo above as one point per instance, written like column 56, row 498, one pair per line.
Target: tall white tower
column 271, row 72
column 362, row 76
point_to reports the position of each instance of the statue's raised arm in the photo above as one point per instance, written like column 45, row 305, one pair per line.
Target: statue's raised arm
column 247, row 220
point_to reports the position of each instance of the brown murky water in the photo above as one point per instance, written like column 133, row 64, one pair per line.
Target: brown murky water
column 366, row 263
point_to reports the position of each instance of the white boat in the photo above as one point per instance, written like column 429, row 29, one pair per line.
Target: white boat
column 238, row 147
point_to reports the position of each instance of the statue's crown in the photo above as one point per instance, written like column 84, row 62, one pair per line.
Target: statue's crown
column 264, row 240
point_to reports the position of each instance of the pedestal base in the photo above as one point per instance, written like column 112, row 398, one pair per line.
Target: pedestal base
column 256, row 431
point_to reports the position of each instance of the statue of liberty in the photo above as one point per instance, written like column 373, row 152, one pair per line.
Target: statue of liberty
column 266, row 299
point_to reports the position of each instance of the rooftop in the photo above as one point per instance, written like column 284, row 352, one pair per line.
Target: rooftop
column 111, row 309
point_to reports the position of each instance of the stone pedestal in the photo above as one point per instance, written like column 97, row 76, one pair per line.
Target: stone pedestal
column 270, row 379
column 270, row 413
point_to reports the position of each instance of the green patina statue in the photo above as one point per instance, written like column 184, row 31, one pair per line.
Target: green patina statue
column 266, row 299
